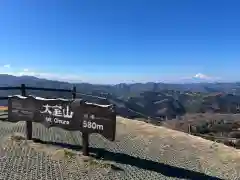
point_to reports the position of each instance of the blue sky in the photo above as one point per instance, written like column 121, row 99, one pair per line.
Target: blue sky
column 111, row 41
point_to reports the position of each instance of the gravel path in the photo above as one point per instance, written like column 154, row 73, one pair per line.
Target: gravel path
column 141, row 151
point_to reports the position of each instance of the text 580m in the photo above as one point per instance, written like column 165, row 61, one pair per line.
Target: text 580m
column 92, row 125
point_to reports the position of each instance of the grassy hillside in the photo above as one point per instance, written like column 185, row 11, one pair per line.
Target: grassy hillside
column 141, row 151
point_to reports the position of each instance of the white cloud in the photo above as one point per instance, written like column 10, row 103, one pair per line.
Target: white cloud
column 7, row 66
column 201, row 76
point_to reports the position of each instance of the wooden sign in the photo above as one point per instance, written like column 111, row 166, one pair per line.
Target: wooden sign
column 71, row 115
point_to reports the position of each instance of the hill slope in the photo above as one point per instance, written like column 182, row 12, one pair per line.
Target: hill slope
column 140, row 151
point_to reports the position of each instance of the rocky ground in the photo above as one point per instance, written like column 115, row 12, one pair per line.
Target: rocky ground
column 141, row 151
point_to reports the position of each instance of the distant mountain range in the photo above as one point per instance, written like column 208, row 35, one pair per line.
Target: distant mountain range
column 156, row 100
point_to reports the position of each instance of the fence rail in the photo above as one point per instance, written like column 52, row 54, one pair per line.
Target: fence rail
column 10, row 88
column 35, row 88
column 3, row 98
column 89, row 95
column 73, row 90
column 49, row 89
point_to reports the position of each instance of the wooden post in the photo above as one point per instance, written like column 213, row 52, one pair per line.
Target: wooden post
column 85, row 139
column 189, row 129
column 28, row 123
column 85, row 136
column 74, row 92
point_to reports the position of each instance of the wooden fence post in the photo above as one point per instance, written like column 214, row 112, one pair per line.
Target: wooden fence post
column 28, row 123
column 74, row 92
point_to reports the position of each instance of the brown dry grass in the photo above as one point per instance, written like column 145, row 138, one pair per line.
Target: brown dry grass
column 205, row 148
column 206, row 154
column 3, row 108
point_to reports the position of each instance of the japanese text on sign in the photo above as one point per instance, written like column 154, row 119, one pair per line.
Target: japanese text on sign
column 57, row 112
column 89, row 123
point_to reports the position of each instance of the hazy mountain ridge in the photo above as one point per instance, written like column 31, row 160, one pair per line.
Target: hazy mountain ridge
column 156, row 100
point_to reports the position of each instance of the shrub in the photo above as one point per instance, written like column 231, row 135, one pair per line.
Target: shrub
column 235, row 134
